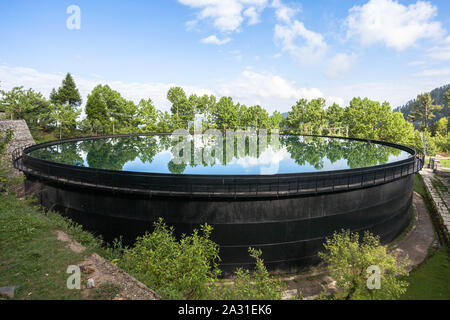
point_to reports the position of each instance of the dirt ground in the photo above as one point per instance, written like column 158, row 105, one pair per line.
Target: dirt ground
column 106, row 273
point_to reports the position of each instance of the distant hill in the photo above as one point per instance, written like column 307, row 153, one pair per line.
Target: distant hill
column 438, row 97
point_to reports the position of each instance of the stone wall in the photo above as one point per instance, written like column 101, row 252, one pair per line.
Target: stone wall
column 22, row 135
column 21, row 138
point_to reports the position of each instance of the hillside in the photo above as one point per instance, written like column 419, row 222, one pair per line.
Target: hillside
column 438, row 97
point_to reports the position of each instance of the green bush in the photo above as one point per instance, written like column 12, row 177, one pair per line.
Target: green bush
column 256, row 285
column 175, row 269
column 349, row 260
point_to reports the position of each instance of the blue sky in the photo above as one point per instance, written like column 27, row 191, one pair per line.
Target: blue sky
column 267, row 52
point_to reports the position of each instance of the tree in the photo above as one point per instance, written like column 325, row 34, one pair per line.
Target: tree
column 67, row 93
column 441, row 127
column 96, row 109
column 335, row 116
column 182, row 109
column 244, row 118
column 65, row 118
column 349, row 262
column 396, row 129
column 368, row 119
column 423, row 110
column 114, row 113
column 165, row 123
column 447, row 100
column 28, row 105
column 276, row 120
column 148, row 115
column 226, row 114
column 307, row 117
column 258, row 117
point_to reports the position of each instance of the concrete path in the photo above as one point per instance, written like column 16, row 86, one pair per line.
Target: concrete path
column 414, row 244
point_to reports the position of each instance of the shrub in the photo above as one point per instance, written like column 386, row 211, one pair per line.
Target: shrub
column 349, row 261
column 175, row 269
column 256, row 285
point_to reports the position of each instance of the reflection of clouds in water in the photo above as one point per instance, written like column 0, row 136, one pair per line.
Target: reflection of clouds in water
column 268, row 161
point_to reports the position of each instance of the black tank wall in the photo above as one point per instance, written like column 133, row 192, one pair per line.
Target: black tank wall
column 290, row 231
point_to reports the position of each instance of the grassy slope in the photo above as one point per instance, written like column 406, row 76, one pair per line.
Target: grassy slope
column 30, row 254
column 431, row 280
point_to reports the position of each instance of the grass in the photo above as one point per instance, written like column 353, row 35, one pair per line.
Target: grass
column 107, row 291
column 30, row 254
column 32, row 257
column 430, row 281
column 419, row 186
column 445, row 163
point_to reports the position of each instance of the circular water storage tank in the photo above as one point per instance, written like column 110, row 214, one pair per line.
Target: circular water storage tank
column 284, row 196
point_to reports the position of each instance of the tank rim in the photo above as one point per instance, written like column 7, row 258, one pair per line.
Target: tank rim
column 25, row 153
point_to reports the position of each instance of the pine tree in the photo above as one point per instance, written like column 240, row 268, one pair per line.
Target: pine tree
column 96, row 108
column 423, row 110
column 67, row 94
column 447, row 99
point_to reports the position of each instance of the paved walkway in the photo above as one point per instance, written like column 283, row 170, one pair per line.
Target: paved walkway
column 438, row 188
column 414, row 244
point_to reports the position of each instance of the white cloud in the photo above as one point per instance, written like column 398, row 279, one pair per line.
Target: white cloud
column 393, row 24
column 227, row 15
column 284, row 13
column 340, row 65
column 303, row 44
column 397, row 92
column 270, row 91
column 338, row 100
column 45, row 82
column 434, row 72
column 268, row 161
column 214, row 40
column 441, row 52
column 253, row 15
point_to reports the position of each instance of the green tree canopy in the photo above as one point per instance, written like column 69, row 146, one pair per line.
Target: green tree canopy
column 182, row 108
column 67, row 93
column 307, row 117
column 423, row 110
column 226, row 114
column 29, row 105
column 110, row 111
column 276, row 120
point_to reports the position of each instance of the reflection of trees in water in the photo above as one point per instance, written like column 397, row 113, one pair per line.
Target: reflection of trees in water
column 358, row 154
column 114, row 153
column 306, row 150
column 67, row 153
column 110, row 154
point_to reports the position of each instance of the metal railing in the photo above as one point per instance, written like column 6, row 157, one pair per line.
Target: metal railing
column 221, row 186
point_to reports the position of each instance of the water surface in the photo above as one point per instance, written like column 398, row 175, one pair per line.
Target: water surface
column 161, row 154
